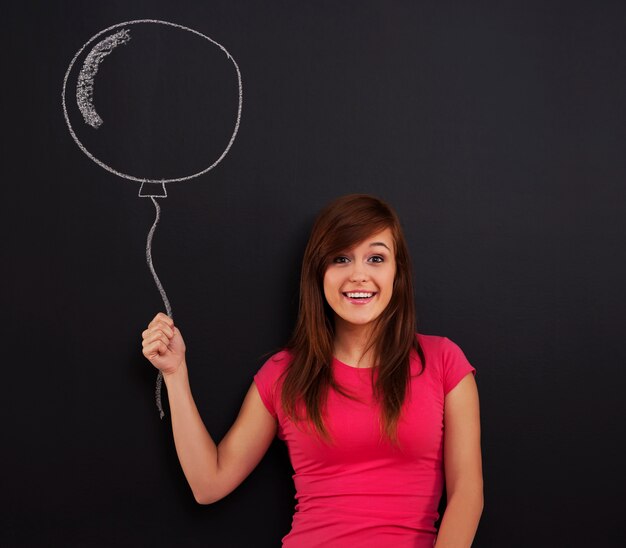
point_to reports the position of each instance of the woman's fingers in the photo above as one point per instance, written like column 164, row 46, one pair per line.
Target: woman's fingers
column 163, row 330
column 160, row 317
column 156, row 336
column 159, row 326
column 154, row 349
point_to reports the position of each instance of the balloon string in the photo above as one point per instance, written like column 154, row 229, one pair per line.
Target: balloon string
column 166, row 302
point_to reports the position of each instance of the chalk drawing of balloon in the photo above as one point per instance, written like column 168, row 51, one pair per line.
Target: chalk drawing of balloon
column 155, row 103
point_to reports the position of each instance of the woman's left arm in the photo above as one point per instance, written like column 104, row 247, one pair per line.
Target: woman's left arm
column 463, row 466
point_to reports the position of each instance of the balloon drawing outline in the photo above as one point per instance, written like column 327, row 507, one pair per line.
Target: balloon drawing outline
column 150, row 187
column 124, row 38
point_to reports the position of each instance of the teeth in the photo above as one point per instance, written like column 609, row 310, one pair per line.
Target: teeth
column 359, row 295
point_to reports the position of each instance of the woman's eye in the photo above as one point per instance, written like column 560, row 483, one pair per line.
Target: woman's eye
column 340, row 260
column 377, row 259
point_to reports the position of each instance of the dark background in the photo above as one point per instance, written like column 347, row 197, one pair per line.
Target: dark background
column 497, row 131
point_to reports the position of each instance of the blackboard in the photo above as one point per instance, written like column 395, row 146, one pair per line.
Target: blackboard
column 495, row 129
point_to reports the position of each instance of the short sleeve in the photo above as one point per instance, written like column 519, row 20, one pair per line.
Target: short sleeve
column 455, row 365
column 266, row 380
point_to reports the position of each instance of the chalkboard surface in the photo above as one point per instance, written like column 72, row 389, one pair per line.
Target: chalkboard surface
column 495, row 129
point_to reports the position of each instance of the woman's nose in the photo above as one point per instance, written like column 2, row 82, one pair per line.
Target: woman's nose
column 358, row 274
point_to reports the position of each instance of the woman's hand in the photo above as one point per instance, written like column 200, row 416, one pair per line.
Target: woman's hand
column 163, row 344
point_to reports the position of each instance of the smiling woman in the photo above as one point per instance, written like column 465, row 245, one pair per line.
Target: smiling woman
column 376, row 417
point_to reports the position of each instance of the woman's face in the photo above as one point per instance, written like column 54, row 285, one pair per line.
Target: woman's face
column 358, row 283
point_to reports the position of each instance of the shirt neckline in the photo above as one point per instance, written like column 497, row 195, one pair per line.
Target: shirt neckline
column 343, row 364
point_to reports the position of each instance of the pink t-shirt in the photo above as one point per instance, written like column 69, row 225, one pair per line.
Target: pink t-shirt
column 362, row 491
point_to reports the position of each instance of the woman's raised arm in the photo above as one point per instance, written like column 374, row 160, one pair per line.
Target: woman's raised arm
column 211, row 471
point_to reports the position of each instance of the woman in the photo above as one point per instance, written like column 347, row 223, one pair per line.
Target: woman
column 375, row 416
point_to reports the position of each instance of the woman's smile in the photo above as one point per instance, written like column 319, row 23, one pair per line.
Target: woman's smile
column 359, row 297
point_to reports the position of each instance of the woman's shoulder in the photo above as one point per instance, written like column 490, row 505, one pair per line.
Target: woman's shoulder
column 267, row 379
column 446, row 359
column 275, row 364
column 434, row 342
column 282, row 357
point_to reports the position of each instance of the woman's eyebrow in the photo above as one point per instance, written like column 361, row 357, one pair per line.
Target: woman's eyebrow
column 380, row 243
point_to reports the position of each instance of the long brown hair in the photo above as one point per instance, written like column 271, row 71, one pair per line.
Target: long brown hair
column 344, row 223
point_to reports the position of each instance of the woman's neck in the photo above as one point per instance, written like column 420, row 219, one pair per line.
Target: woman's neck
column 351, row 344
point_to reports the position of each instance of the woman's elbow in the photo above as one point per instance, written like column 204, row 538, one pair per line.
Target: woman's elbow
column 480, row 502
column 203, row 499
column 206, row 497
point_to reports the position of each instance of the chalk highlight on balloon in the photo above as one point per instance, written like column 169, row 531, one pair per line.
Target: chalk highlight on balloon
column 84, row 86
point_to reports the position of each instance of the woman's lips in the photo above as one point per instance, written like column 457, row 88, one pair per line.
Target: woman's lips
column 359, row 297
